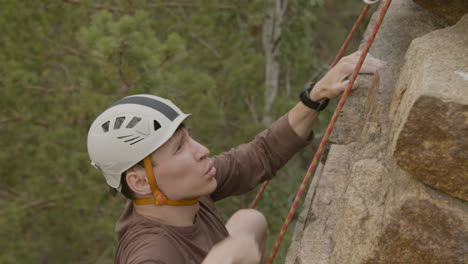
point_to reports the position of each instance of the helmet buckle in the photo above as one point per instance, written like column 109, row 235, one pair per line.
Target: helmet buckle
column 159, row 198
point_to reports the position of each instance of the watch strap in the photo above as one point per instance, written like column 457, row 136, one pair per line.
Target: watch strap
column 305, row 99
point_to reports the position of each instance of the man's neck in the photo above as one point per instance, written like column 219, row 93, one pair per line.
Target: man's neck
column 169, row 215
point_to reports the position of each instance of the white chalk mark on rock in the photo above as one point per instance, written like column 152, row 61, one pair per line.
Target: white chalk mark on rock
column 464, row 75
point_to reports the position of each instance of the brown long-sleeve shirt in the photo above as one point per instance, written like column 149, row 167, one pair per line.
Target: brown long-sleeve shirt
column 239, row 170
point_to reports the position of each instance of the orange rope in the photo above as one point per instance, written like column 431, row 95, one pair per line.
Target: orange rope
column 350, row 35
column 318, row 154
column 259, row 194
column 334, row 62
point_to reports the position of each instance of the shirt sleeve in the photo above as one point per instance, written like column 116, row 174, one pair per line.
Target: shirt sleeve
column 244, row 167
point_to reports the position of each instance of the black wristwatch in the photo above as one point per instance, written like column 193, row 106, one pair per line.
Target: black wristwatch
column 304, row 96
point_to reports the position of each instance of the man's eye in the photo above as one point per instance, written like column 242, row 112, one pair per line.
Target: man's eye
column 179, row 148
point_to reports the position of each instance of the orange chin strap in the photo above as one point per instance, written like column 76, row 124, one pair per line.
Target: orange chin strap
column 159, row 198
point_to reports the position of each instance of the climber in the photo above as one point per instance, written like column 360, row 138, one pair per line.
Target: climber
column 145, row 151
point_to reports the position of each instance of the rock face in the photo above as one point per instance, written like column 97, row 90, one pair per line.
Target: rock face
column 404, row 22
column 314, row 224
column 431, row 118
column 452, row 10
column 422, row 232
column 393, row 187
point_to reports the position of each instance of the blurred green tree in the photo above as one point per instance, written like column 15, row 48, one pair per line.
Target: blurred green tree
column 64, row 61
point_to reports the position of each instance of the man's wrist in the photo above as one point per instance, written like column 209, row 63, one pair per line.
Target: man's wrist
column 316, row 93
column 312, row 98
column 315, row 96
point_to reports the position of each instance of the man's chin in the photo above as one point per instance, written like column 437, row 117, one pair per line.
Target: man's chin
column 207, row 190
column 213, row 188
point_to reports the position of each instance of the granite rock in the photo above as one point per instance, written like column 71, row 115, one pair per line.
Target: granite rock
column 430, row 110
column 404, row 21
column 365, row 207
column 452, row 10
column 422, row 232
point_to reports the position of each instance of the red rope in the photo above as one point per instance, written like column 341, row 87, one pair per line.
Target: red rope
column 350, row 35
column 318, row 154
column 259, row 194
column 334, row 62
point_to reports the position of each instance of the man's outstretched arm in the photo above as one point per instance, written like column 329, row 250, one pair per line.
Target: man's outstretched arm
column 301, row 117
column 242, row 168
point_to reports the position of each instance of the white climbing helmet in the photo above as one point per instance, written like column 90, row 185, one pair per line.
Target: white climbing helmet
column 128, row 131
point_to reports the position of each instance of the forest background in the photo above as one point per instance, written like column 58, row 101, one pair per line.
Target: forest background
column 235, row 65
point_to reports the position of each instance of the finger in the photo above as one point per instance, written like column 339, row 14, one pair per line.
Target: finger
column 346, row 68
column 372, row 63
column 345, row 84
column 352, row 58
column 355, row 85
column 348, row 63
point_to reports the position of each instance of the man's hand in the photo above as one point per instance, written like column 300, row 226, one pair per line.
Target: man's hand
column 241, row 249
column 331, row 85
column 334, row 83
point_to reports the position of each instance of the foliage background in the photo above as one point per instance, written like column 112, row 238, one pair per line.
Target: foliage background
column 63, row 61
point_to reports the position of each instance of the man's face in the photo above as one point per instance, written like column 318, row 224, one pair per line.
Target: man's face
column 182, row 167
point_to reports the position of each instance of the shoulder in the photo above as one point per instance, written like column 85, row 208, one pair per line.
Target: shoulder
column 207, row 203
column 148, row 247
column 156, row 249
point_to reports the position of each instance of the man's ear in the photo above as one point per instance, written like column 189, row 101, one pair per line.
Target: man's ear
column 138, row 182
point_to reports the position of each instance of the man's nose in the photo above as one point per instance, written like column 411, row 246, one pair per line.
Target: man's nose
column 201, row 151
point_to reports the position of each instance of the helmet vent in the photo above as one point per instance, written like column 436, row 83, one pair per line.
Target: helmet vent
column 133, row 122
column 137, row 141
column 128, row 140
column 118, row 122
column 105, row 126
column 131, row 141
column 156, row 125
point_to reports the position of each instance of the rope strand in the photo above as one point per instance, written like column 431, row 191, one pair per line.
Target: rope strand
column 318, row 154
column 334, row 62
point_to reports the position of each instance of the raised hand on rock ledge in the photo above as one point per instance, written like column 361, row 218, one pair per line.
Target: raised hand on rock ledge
column 335, row 82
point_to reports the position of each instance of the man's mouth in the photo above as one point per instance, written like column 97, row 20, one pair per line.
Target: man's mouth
column 211, row 171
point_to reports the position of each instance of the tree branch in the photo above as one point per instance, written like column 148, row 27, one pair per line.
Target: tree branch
column 40, row 204
column 99, row 7
column 158, row 4
column 121, row 73
column 41, row 123
column 72, row 51
column 40, row 88
column 205, row 44
column 186, row 5
column 251, row 105
column 7, row 195
column 271, row 38
column 16, row 117
column 45, row 203
column 6, row 121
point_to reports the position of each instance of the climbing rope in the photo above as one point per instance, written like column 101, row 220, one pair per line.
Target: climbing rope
column 341, row 103
column 345, row 45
